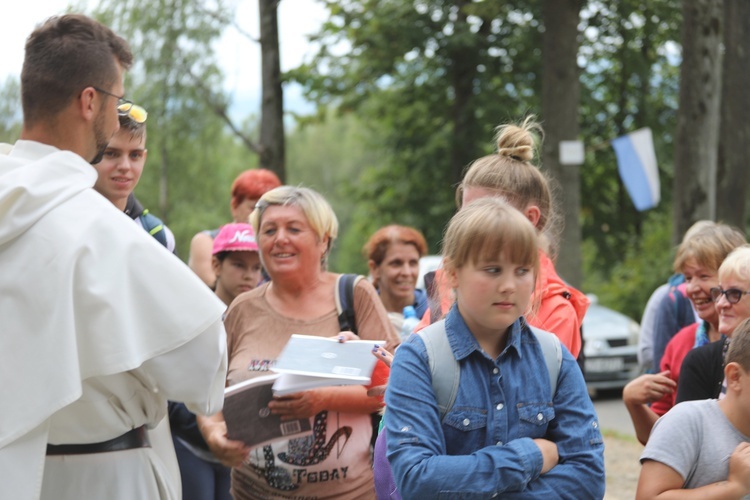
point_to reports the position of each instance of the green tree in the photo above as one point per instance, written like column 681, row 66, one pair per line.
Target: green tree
column 10, row 110
column 435, row 78
column 561, row 91
column 192, row 158
column 734, row 138
column 330, row 156
column 698, row 119
column 272, row 144
column 629, row 80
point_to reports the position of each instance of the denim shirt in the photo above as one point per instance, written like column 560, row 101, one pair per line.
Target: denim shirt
column 484, row 446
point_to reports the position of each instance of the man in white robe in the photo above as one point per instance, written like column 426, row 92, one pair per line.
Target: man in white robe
column 99, row 324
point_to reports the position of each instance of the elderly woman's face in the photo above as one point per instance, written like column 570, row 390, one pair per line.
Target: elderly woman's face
column 287, row 241
column 731, row 315
column 699, row 281
column 397, row 274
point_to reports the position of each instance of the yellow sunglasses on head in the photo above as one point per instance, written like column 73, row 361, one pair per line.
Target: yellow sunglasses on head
column 133, row 111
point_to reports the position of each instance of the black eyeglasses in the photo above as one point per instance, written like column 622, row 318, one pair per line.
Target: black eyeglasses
column 123, row 105
column 733, row 295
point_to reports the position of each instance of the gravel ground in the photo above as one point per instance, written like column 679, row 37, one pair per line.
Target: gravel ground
column 621, row 464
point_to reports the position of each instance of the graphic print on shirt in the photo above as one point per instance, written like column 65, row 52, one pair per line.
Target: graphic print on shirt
column 307, row 455
column 305, row 452
column 276, row 477
column 260, row 365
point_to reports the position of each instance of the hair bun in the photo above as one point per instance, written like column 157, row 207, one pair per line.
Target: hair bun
column 518, row 142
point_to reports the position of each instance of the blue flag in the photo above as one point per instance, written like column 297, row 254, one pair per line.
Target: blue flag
column 636, row 162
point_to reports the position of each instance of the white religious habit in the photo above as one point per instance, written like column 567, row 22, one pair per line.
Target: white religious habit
column 99, row 326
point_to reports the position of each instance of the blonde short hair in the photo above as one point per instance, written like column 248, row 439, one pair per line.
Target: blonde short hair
column 736, row 264
column 315, row 208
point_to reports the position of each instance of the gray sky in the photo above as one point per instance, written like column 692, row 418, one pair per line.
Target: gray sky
column 238, row 57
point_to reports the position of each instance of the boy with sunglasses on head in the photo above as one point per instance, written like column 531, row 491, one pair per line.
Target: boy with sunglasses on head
column 120, row 170
column 701, row 449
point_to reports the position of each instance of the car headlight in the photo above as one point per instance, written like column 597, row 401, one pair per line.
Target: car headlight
column 595, row 347
column 634, row 331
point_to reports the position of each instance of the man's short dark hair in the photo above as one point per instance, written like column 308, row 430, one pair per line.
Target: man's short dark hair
column 65, row 55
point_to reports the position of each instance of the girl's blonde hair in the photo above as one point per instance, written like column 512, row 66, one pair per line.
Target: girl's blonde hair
column 484, row 229
column 513, row 174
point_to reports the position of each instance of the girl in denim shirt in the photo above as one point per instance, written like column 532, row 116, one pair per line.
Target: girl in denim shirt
column 505, row 434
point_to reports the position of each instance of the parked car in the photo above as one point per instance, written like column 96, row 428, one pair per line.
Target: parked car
column 427, row 263
column 610, row 347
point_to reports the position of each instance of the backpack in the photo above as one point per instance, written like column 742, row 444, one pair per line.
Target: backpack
column 154, row 226
column 151, row 223
column 345, row 301
column 446, row 372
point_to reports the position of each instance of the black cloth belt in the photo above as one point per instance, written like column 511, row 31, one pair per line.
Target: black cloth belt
column 135, row 438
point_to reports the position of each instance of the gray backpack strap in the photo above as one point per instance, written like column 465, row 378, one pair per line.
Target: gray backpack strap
column 444, row 368
column 446, row 372
column 552, row 351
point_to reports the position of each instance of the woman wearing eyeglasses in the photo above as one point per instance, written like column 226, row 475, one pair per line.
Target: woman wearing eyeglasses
column 698, row 257
column 703, row 368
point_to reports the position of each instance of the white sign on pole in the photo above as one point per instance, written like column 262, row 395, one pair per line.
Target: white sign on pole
column 571, row 153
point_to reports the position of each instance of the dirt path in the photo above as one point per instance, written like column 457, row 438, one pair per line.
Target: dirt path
column 621, row 464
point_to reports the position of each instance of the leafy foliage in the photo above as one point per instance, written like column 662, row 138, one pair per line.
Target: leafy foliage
column 647, row 263
column 329, row 156
column 434, row 77
column 631, row 77
column 192, row 158
column 408, row 94
column 10, row 110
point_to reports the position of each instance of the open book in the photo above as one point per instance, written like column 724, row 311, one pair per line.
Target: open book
column 249, row 419
column 307, row 362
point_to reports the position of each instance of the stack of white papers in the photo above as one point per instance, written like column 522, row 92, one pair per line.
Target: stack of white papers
column 307, row 362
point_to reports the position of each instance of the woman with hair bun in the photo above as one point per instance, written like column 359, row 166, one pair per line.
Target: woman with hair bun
column 247, row 189
column 509, row 430
column 554, row 306
column 511, row 174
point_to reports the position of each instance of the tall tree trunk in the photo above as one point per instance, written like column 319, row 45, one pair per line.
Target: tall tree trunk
column 463, row 71
column 697, row 137
column 734, row 142
column 560, row 102
column 272, row 155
